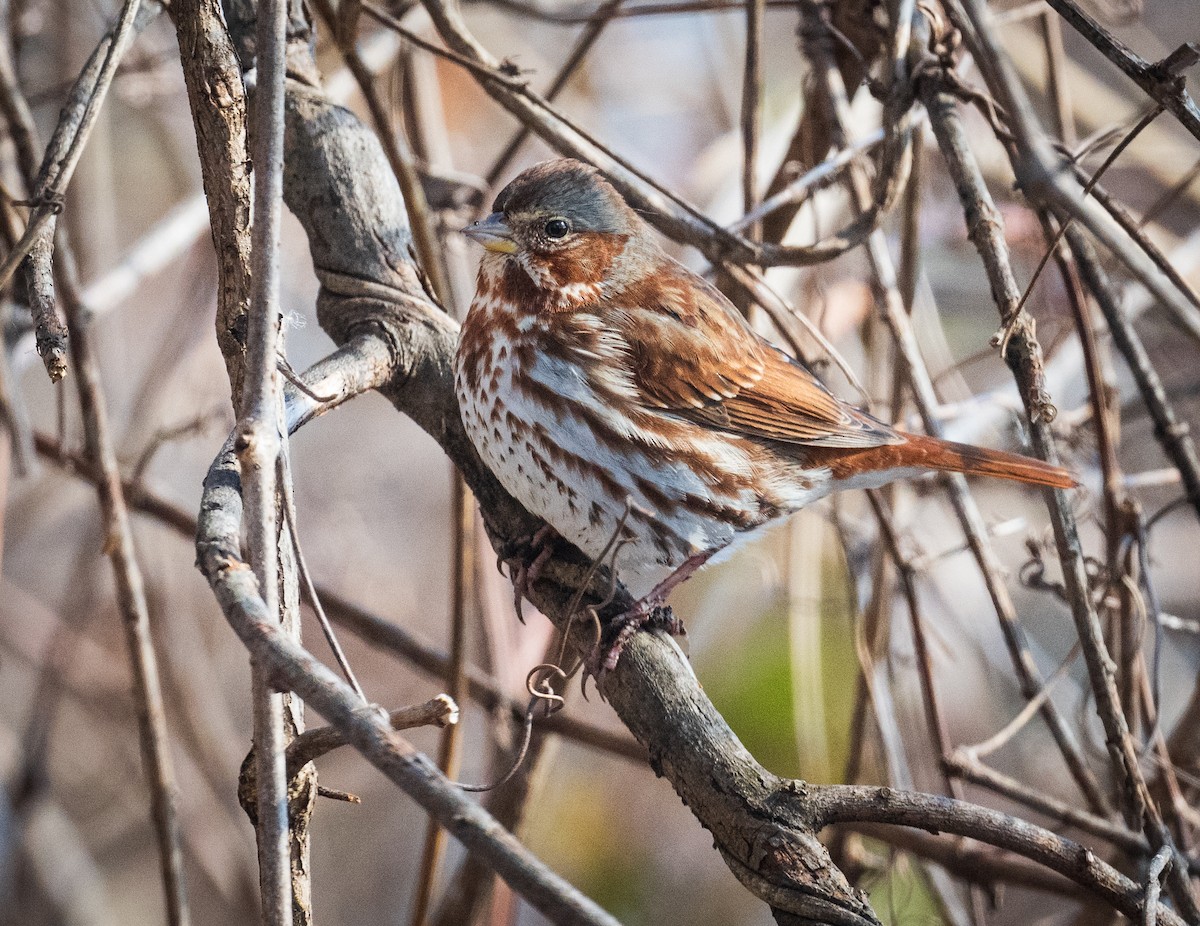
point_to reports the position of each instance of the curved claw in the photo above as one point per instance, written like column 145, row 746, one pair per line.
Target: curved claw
column 520, row 585
column 542, row 546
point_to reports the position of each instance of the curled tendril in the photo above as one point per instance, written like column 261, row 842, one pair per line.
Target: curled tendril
column 538, row 684
column 1032, row 573
column 1047, row 410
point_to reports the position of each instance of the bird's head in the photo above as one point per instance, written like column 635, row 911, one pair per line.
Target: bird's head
column 566, row 228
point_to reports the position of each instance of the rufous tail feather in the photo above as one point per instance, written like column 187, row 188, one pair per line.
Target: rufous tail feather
column 950, row 457
column 919, row 451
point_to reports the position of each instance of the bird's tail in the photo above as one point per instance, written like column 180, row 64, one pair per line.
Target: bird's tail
column 947, row 456
column 873, row 466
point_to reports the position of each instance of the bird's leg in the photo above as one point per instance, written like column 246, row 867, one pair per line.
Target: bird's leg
column 649, row 611
column 538, row 549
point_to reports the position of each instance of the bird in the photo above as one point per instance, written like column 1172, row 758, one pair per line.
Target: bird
column 623, row 399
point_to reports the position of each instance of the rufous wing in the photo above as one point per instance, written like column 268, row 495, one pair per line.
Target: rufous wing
column 693, row 354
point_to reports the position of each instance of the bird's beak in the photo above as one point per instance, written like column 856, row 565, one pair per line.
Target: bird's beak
column 493, row 234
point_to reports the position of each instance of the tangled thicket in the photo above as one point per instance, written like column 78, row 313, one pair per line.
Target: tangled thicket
column 1006, row 689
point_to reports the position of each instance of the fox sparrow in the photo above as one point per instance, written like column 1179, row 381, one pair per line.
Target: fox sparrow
column 610, row 389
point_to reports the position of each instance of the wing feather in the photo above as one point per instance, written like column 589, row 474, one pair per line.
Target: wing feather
column 693, row 354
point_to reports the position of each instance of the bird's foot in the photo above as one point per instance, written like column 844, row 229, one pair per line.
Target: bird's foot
column 532, row 553
column 648, row 614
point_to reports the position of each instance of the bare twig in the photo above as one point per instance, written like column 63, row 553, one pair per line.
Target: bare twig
column 797, row 191
column 198, row 424
column 964, row 763
column 1119, row 521
column 310, row 745
column 1154, row 874
column 1023, row 354
column 1026, row 713
column 51, row 330
column 63, row 153
column 751, row 111
column 908, row 274
column 258, row 443
column 935, row 717
column 1056, row 78
column 1162, row 81
column 857, row 803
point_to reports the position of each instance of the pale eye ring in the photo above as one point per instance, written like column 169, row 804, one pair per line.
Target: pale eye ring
column 557, row 228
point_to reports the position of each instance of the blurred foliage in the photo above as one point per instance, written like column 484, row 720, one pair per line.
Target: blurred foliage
column 751, row 686
column 900, row 892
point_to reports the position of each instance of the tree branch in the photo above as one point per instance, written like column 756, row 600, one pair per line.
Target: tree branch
column 290, row 666
column 218, row 103
column 860, row 804
column 1163, row 81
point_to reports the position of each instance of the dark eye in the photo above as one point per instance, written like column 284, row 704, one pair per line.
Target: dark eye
column 557, row 228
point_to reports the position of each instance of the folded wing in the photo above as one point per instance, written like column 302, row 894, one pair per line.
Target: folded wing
column 694, row 355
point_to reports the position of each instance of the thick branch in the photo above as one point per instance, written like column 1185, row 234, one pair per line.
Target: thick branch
column 218, row 103
column 858, row 804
